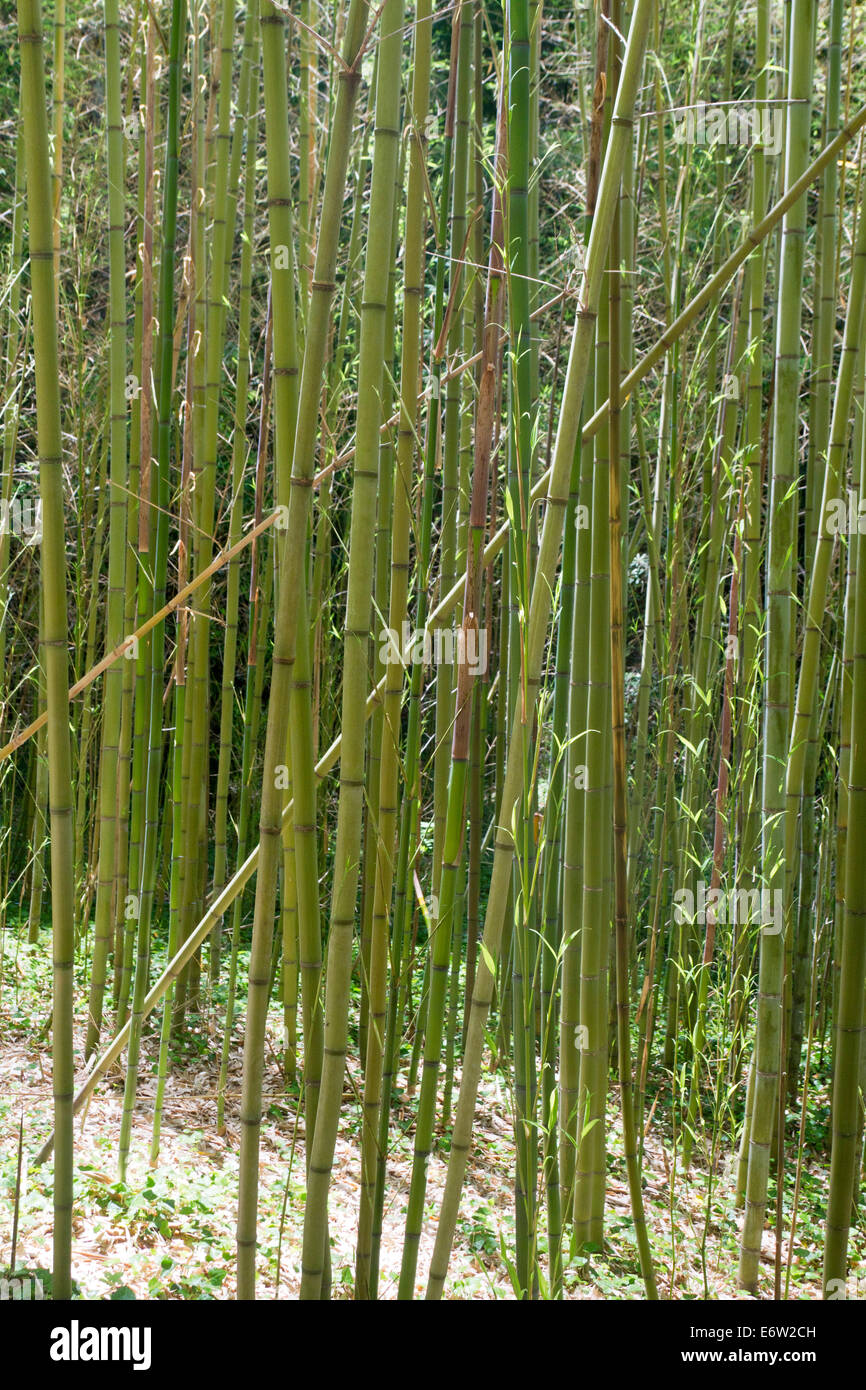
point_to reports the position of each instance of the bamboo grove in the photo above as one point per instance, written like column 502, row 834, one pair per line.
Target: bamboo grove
column 432, row 621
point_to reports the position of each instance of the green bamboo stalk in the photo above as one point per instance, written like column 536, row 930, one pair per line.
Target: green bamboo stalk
column 108, row 810
column 153, row 586
column 779, row 641
column 848, row 1050
column 292, row 574
column 55, row 635
column 245, row 131
column 376, row 1104
column 557, row 500
column 357, row 628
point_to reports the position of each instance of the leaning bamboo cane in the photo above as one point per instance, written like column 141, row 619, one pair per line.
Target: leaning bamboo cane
column 129, row 644
column 184, row 954
column 675, row 330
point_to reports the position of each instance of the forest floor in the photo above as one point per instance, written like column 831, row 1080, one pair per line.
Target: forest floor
column 169, row 1232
